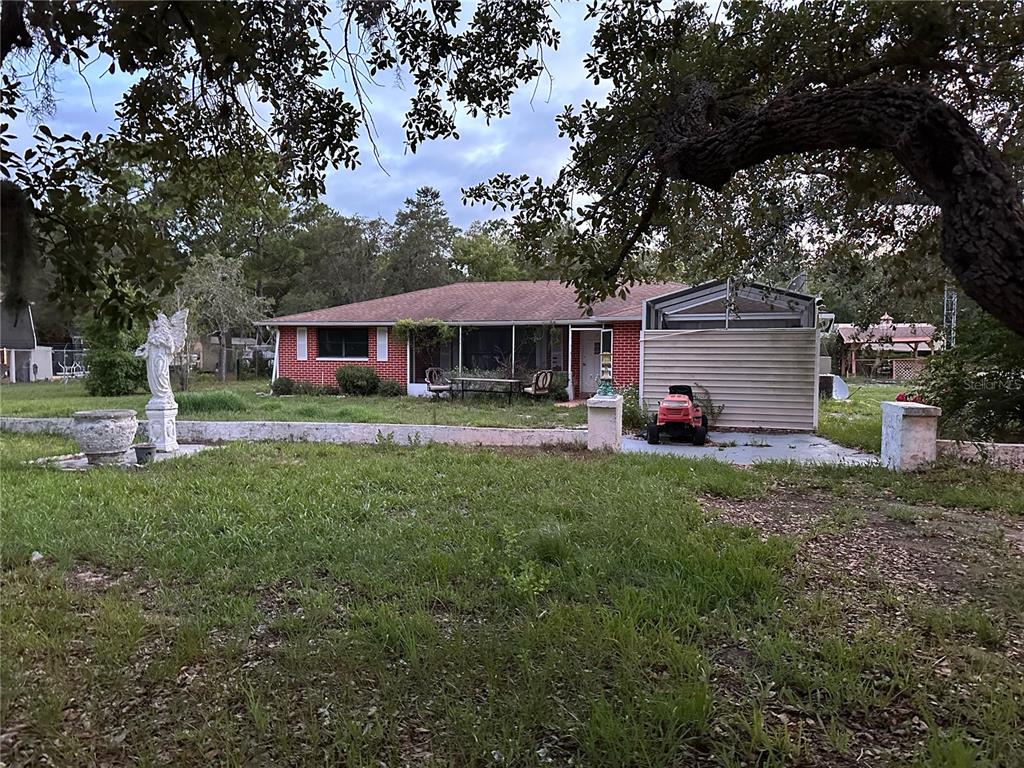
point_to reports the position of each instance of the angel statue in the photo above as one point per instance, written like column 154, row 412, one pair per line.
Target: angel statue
column 166, row 338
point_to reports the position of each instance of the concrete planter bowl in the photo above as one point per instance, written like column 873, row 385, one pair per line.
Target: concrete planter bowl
column 104, row 435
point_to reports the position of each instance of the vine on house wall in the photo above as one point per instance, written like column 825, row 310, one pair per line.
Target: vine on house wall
column 429, row 332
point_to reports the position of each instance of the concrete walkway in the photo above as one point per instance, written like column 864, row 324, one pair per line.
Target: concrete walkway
column 745, row 448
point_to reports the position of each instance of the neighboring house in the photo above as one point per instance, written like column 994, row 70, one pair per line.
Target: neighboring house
column 751, row 359
column 207, row 351
column 21, row 358
column 887, row 348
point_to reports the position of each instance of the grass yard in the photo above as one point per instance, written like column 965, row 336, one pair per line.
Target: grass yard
column 249, row 401
column 291, row 604
column 857, row 421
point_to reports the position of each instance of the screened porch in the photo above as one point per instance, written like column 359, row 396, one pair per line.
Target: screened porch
column 502, row 351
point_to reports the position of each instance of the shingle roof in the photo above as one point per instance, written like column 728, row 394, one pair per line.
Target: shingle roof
column 16, row 328
column 523, row 301
column 886, row 333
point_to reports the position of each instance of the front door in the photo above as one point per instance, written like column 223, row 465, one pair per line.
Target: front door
column 590, row 361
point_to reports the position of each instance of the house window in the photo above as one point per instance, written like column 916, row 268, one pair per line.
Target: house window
column 300, row 343
column 348, row 343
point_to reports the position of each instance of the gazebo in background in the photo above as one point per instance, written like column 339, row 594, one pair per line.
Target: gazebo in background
column 886, row 349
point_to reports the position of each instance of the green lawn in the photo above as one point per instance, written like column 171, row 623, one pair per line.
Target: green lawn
column 857, row 422
column 293, row 604
column 249, row 401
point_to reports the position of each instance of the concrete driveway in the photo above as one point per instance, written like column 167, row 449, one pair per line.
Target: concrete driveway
column 745, row 448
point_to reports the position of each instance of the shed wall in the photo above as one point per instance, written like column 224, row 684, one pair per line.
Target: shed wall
column 765, row 378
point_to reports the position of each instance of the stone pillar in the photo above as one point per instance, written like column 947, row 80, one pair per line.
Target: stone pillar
column 604, row 423
column 163, row 432
column 909, row 435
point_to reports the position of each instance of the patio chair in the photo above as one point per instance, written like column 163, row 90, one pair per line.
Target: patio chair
column 437, row 383
column 540, row 384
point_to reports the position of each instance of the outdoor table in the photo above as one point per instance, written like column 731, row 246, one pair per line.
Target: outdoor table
column 466, row 384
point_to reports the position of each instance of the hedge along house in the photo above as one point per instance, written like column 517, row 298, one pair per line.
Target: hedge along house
column 750, row 349
column 497, row 329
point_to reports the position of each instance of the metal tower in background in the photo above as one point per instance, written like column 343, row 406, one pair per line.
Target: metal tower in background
column 949, row 315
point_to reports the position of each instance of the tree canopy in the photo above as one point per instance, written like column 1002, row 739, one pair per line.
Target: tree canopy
column 733, row 133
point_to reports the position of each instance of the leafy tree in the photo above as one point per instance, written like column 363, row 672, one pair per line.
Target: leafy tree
column 864, row 120
column 219, row 300
column 487, row 251
column 419, row 245
column 110, row 359
column 741, row 129
column 200, row 70
column 979, row 384
column 337, row 262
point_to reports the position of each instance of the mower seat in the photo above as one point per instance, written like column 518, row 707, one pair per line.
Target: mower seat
column 681, row 389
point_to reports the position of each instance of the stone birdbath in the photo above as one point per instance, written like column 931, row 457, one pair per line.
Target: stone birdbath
column 104, row 435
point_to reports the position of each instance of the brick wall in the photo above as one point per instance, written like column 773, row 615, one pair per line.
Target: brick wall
column 322, row 372
column 625, row 353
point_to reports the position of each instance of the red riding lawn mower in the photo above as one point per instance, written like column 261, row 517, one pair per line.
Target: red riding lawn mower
column 679, row 417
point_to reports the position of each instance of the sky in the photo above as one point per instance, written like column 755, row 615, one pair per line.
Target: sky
column 524, row 142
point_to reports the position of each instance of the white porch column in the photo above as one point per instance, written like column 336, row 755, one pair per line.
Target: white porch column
column 909, row 435
column 572, row 386
column 277, row 354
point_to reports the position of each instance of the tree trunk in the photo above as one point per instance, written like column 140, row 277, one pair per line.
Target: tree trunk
column 982, row 214
column 224, row 339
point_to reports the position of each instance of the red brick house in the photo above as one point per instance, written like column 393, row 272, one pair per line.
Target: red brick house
column 521, row 326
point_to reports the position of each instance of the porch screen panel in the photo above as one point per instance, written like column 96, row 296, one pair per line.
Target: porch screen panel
column 487, row 348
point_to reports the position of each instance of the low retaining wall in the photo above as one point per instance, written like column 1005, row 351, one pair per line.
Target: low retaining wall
column 330, row 432
column 37, row 425
column 1002, row 455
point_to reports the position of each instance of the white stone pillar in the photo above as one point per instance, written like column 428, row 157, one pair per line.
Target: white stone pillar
column 161, row 426
column 909, row 432
column 604, row 423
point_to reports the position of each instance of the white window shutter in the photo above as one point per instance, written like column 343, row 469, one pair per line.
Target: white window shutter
column 300, row 343
column 382, row 344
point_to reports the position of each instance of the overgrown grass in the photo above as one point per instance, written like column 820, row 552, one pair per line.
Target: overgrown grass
column 364, row 605
column 857, row 421
column 249, row 401
column 212, row 401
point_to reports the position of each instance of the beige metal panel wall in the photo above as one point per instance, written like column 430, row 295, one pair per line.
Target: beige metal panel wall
column 765, row 378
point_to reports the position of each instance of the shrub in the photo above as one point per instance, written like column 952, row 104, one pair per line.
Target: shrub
column 110, row 359
column 979, row 384
column 283, row 386
column 358, row 380
column 557, row 390
column 634, row 414
column 390, row 388
column 211, row 401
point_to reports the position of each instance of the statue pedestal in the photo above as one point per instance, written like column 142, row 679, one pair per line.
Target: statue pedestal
column 163, row 433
